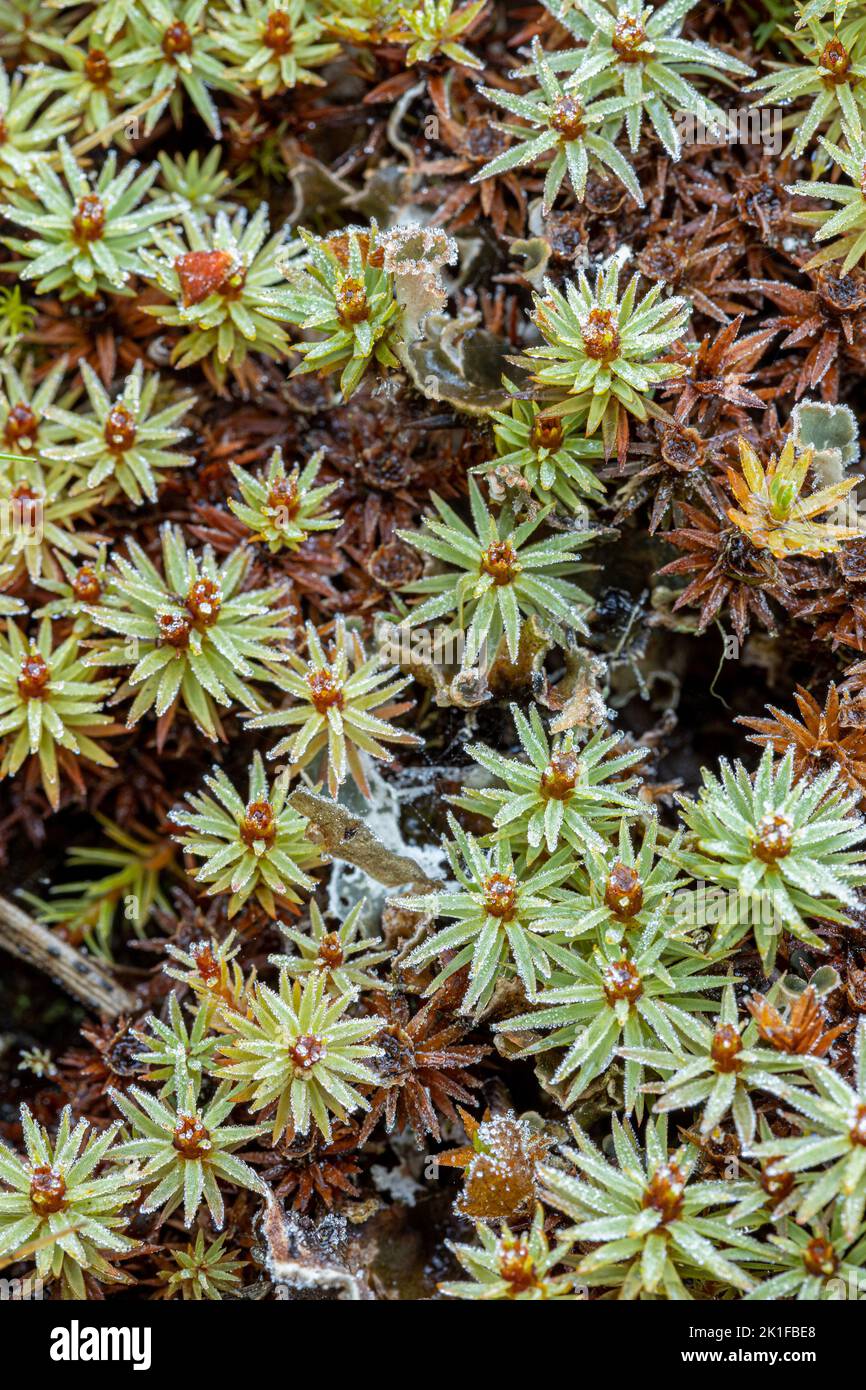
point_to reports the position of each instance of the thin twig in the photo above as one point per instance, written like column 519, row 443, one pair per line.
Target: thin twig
column 104, row 134
column 78, row 974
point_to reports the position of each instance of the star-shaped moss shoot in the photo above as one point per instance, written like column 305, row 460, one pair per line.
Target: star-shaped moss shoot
column 122, row 445
column 89, row 73
column 654, row 1229
column 513, row 1266
column 25, row 428
column 791, row 849
column 175, row 56
column 343, row 956
column 282, row 508
column 718, row 1068
column 224, row 288
column 638, row 51
column 276, row 45
column 813, row 1263
column 832, row 1116
column 602, row 354
column 199, row 185
column 211, row 971
column 564, row 794
column 342, row 292
column 774, row 511
column 48, row 516
column 342, row 701
column 172, row 1052
column 59, row 1202
column 184, row 1147
column 828, row 68
column 619, row 995
column 628, row 890
column 503, row 916
column 204, row 1270
column 126, row 883
column 432, row 27
column 86, row 233
column 297, row 1054
column 549, row 452
column 561, row 129
column 253, row 847
column 28, row 132
column 192, row 634
column 844, row 227
column 492, row 581
column 77, row 587
column 50, row 707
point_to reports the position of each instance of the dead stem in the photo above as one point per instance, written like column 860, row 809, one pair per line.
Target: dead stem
column 79, row 975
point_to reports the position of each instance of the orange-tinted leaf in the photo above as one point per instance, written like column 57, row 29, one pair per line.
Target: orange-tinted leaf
column 202, row 272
